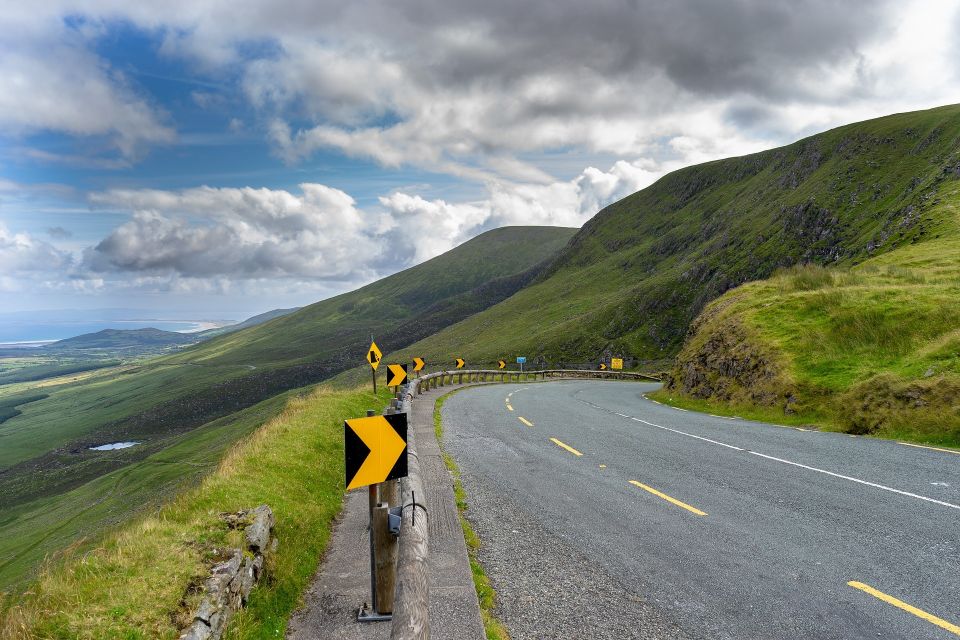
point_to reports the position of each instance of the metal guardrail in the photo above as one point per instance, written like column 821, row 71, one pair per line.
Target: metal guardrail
column 411, row 618
column 459, row 376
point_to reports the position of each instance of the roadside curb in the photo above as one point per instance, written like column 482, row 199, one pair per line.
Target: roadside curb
column 454, row 606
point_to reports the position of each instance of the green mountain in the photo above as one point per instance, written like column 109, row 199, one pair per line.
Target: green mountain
column 186, row 408
column 637, row 274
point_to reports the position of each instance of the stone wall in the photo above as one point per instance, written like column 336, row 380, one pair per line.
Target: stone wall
column 230, row 582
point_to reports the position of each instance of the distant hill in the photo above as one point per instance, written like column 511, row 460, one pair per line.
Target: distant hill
column 138, row 342
column 249, row 322
column 124, row 339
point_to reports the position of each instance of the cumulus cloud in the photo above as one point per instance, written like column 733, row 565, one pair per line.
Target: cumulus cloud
column 468, row 88
column 430, row 227
column 458, row 88
column 22, row 254
column 240, row 233
column 53, row 82
column 230, row 234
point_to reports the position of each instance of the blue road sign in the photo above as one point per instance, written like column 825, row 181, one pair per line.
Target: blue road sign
column 521, row 359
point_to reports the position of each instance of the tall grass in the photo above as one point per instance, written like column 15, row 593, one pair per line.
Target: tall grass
column 804, row 277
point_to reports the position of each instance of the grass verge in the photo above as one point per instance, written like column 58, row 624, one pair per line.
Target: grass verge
column 493, row 628
column 142, row 581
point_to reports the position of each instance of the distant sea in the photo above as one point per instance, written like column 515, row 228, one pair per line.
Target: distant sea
column 17, row 332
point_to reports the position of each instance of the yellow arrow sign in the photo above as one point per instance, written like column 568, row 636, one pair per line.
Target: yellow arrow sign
column 397, row 373
column 602, row 366
column 460, row 363
column 375, row 449
column 374, row 355
column 616, row 363
column 418, row 364
column 501, row 364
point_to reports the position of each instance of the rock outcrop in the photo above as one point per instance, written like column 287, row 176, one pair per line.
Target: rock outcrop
column 230, row 582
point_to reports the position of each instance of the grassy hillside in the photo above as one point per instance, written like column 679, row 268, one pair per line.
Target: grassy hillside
column 45, row 451
column 252, row 321
column 872, row 349
column 636, row 275
column 140, row 582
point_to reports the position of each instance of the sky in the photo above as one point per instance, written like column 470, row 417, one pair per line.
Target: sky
column 196, row 156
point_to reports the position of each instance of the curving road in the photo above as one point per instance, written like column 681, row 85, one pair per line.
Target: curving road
column 605, row 514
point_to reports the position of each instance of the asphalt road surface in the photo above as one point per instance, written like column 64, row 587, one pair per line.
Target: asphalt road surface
column 604, row 514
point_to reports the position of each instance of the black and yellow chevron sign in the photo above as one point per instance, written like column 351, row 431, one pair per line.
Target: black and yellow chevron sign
column 460, row 363
column 375, row 449
column 396, row 374
column 418, row 364
column 602, row 366
column 501, row 364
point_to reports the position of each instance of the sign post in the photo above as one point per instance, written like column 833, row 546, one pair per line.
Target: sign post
column 460, row 362
column 521, row 360
column 616, row 363
column 375, row 451
column 373, row 357
column 501, row 364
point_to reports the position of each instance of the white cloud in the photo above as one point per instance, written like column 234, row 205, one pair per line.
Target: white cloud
column 54, row 84
column 240, row 233
column 435, row 226
column 24, row 258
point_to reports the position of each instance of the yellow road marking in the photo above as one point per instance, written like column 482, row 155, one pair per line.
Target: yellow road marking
column 525, row 421
column 603, row 466
column 682, row 505
column 900, row 604
column 510, row 406
column 923, row 446
column 566, row 446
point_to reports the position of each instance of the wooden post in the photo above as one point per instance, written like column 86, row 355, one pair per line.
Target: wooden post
column 385, row 556
column 390, row 493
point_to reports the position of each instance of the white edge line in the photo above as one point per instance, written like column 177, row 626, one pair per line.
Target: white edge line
column 690, row 435
column 795, row 464
column 858, row 481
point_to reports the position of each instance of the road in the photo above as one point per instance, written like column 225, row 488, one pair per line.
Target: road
column 604, row 514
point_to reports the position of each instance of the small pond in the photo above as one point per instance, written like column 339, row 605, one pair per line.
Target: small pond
column 114, row 445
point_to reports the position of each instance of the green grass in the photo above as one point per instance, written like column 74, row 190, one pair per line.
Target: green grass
column 138, row 582
column 494, row 629
column 52, row 370
column 872, row 349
